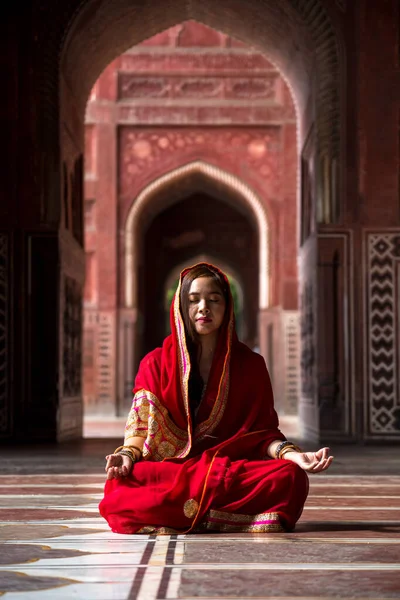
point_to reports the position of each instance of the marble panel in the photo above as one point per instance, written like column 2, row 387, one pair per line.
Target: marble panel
column 100, row 591
column 354, row 491
column 94, row 544
column 40, row 514
column 313, row 530
column 237, row 583
column 42, row 501
column 95, row 521
column 340, row 529
column 20, row 553
column 49, row 489
column 305, row 552
column 11, row 581
column 77, row 572
column 352, row 514
column 26, row 531
column 360, row 502
column 49, row 479
column 353, row 480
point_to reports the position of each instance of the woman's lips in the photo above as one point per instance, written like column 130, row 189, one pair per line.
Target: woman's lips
column 204, row 320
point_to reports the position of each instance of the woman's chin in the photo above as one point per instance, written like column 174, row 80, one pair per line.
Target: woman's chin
column 205, row 328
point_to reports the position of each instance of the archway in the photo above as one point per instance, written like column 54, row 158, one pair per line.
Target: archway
column 207, row 173
column 169, row 193
column 201, row 223
column 300, row 39
column 307, row 53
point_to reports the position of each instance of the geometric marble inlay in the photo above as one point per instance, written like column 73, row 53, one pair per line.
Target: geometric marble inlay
column 383, row 297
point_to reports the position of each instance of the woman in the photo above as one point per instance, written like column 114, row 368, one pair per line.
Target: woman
column 202, row 447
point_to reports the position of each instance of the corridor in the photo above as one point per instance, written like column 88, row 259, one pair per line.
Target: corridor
column 56, row 546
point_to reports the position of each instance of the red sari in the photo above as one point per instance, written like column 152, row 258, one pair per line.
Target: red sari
column 211, row 474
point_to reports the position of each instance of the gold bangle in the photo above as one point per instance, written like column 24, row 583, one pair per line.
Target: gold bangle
column 127, row 448
column 291, row 448
column 136, row 448
column 129, row 455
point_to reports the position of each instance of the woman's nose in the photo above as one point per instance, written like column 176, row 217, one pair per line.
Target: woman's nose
column 203, row 308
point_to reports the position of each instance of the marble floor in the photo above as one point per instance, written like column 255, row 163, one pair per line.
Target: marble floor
column 54, row 544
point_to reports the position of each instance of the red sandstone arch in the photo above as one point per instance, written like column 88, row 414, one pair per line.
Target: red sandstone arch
column 246, row 197
column 299, row 36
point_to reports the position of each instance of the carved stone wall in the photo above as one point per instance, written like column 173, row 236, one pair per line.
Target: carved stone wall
column 269, row 88
column 188, row 95
column 292, row 352
column 257, row 153
column 336, row 398
column 72, row 332
column 382, row 312
column 308, row 401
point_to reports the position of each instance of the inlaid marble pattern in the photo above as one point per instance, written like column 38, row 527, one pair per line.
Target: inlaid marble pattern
column 54, row 545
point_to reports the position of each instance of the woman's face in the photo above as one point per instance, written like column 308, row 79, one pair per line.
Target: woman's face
column 206, row 305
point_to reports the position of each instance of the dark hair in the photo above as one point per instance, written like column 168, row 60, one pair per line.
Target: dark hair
column 192, row 340
column 199, row 271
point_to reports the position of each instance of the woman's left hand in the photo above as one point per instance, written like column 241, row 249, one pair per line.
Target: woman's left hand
column 313, row 462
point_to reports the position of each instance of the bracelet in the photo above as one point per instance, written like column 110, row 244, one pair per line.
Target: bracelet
column 281, row 446
column 123, row 449
column 284, row 447
column 129, row 454
column 292, row 448
column 136, row 448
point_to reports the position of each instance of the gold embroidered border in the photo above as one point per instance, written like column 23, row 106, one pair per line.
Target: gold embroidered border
column 259, row 528
column 242, row 518
column 184, row 363
column 148, row 418
column 243, row 523
column 208, row 426
column 150, row 529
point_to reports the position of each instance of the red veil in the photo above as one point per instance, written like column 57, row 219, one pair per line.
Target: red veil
column 189, row 470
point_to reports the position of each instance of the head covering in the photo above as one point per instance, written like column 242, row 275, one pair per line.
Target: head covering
column 238, row 398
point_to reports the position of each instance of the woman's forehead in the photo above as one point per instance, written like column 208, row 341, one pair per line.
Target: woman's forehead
column 204, row 285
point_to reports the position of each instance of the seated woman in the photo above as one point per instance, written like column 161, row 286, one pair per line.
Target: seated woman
column 202, row 448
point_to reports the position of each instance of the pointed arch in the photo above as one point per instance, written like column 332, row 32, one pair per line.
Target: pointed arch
column 250, row 199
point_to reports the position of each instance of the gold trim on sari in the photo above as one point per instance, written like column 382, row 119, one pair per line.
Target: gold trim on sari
column 148, row 418
column 217, row 520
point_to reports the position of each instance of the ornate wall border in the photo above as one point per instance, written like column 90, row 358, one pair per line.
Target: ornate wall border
column 382, row 334
column 218, row 175
column 348, row 309
column 291, row 353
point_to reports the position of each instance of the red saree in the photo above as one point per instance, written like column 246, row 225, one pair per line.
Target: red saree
column 209, row 475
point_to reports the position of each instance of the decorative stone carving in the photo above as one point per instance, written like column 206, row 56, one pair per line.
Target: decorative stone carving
column 72, row 338
column 105, row 359
column 143, row 152
column 383, row 314
column 291, row 327
column 137, row 87
column 205, row 87
column 253, row 88
column 132, row 86
column 308, row 358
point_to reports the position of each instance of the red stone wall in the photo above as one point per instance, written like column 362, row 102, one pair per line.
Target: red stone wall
column 188, row 94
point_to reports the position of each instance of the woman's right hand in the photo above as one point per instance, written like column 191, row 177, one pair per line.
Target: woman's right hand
column 118, row 465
